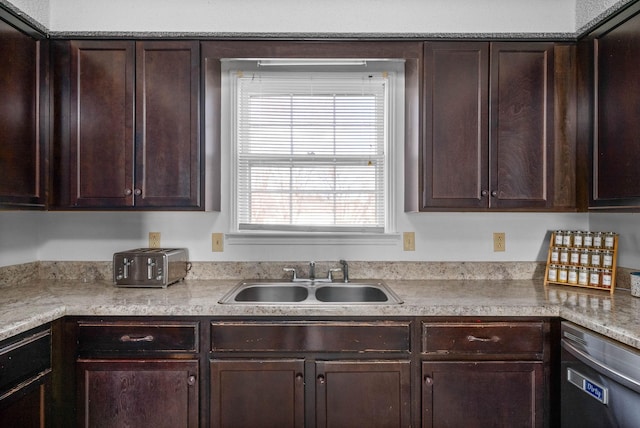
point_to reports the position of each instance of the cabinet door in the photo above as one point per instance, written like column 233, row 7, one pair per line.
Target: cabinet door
column 26, row 408
column 482, row 394
column 20, row 148
column 363, row 394
column 167, row 137
column 101, row 124
column 521, row 130
column 257, row 393
column 616, row 152
column 455, row 154
column 138, row 393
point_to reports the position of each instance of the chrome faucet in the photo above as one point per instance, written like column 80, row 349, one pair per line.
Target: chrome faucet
column 345, row 270
column 312, row 271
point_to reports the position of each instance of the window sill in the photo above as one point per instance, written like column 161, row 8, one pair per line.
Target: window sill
column 270, row 238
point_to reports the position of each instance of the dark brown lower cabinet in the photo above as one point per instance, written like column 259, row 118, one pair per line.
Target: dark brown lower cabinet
column 257, row 393
column 482, row 394
column 432, row 372
column 137, row 393
column 272, row 393
column 29, row 410
column 363, row 394
column 25, row 380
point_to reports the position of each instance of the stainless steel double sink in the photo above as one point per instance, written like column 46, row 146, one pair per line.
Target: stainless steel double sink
column 311, row 293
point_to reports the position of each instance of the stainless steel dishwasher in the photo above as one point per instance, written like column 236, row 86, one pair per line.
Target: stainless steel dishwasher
column 600, row 381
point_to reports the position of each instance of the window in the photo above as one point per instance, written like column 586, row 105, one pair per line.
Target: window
column 312, row 145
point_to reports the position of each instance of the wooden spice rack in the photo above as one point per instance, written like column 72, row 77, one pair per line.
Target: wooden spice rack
column 568, row 264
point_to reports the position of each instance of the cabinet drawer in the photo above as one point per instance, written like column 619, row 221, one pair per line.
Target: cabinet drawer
column 24, row 359
column 483, row 338
column 137, row 337
column 378, row 336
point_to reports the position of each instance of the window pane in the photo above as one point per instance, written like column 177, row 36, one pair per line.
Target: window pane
column 311, row 149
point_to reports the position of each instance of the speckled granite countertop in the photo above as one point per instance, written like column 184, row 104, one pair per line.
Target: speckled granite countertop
column 32, row 303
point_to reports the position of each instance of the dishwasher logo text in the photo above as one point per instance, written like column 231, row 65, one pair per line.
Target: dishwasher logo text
column 595, row 391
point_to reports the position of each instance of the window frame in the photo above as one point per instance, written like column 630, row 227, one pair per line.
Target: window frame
column 408, row 156
column 394, row 70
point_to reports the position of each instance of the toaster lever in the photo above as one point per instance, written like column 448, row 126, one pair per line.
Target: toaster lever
column 150, row 265
column 125, row 271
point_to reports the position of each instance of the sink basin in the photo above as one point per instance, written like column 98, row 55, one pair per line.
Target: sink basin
column 364, row 293
column 271, row 293
column 310, row 293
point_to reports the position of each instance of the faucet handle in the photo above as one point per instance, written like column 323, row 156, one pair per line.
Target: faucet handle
column 295, row 275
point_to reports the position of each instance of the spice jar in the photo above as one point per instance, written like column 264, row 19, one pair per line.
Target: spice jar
column 552, row 274
column 606, row 278
column 609, row 240
column 583, row 276
column 572, row 276
column 567, row 238
column 587, row 239
column 564, row 256
column 607, row 259
column 558, row 238
column 563, row 274
column 574, row 257
column 577, row 239
column 596, row 260
column 555, row 255
column 598, row 240
column 584, row 258
column 594, row 277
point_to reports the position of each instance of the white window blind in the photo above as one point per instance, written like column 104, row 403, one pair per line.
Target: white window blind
column 310, row 151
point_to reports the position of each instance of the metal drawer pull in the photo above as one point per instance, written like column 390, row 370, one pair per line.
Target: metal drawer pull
column 191, row 380
column 472, row 338
column 127, row 338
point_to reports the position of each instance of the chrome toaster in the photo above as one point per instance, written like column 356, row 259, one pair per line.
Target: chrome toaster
column 150, row 267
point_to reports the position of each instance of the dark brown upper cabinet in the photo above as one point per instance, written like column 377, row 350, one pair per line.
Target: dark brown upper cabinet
column 128, row 125
column 23, row 74
column 616, row 149
column 489, row 127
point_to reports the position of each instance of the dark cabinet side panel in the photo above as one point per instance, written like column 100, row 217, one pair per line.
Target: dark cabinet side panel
column 101, row 123
column 168, row 149
column 20, row 149
column 455, row 151
column 617, row 149
column 521, row 130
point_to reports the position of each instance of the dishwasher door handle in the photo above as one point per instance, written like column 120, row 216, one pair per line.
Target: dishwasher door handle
column 600, row 367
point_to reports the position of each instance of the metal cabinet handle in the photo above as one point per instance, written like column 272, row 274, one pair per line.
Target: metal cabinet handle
column 494, row 193
column 127, row 338
column 127, row 192
column 484, row 192
column 472, row 338
column 191, row 380
column 321, row 379
column 428, row 380
column 137, row 192
column 299, row 376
